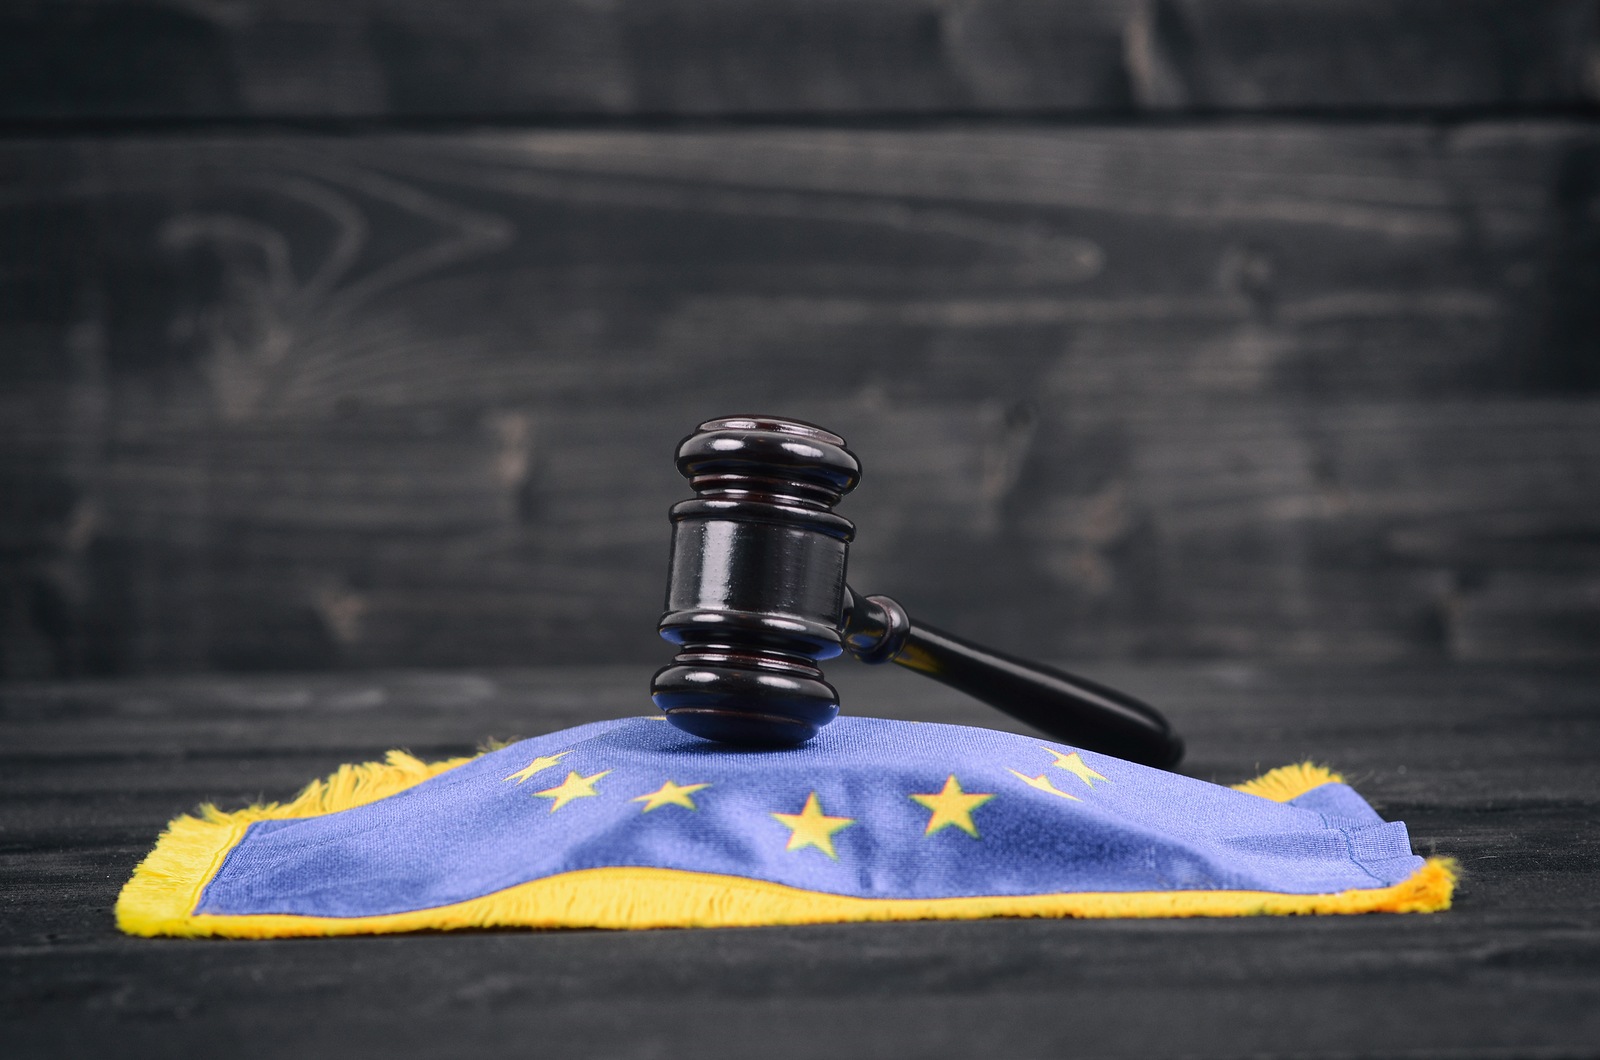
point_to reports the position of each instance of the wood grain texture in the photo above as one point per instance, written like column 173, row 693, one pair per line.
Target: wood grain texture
column 1492, row 765
column 1275, row 391
column 163, row 59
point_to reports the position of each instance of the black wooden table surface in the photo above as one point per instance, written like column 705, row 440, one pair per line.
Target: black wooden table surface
column 1492, row 766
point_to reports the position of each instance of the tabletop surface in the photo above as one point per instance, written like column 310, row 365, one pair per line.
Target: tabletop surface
column 1493, row 766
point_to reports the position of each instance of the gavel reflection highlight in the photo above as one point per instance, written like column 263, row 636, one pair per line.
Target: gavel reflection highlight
column 756, row 598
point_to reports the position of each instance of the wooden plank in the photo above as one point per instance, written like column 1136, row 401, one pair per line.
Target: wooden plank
column 1492, row 765
column 1239, row 391
column 105, row 59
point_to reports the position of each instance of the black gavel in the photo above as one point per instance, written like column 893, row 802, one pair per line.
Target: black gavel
column 756, row 597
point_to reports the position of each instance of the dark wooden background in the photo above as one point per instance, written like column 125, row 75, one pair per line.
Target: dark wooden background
column 359, row 334
column 1229, row 347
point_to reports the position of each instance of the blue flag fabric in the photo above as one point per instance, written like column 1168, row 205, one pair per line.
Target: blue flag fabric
column 632, row 823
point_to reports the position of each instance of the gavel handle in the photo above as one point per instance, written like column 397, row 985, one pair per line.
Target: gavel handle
column 1069, row 708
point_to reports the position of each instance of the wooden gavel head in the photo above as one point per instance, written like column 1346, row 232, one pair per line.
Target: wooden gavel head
column 756, row 598
column 755, row 593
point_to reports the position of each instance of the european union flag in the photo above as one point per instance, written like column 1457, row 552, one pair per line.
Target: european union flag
column 632, row 824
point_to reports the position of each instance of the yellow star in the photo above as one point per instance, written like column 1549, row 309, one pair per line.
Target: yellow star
column 1074, row 764
column 952, row 806
column 670, row 794
column 1042, row 782
column 574, row 787
column 812, row 828
column 541, row 763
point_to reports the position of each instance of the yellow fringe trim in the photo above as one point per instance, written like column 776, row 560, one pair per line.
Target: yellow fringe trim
column 634, row 898
column 166, row 885
column 347, row 787
column 160, row 897
column 1289, row 782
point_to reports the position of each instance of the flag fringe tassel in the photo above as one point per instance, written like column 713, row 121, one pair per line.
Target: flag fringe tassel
column 166, row 887
column 1289, row 782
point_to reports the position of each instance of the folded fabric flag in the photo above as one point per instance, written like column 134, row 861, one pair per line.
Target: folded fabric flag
column 633, row 824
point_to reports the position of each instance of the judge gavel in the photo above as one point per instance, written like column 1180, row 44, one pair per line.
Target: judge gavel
column 756, row 597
